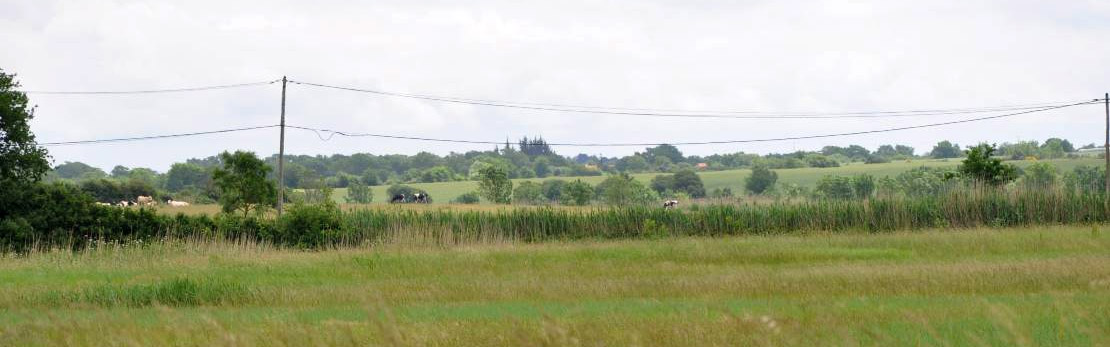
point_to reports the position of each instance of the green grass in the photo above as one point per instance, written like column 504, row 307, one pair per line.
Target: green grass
column 446, row 191
column 1026, row 286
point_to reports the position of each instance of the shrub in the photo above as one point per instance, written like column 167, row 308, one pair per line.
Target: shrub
column 1085, row 178
column 494, row 185
column 576, row 193
column 1039, row 175
column 529, row 193
column 980, row 166
column 310, row 226
column 553, row 189
column 623, row 190
column 760, row 180
column 721, row 193
column 467, row 198
column 359, row 193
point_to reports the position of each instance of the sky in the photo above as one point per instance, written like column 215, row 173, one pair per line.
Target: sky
column 766, row 56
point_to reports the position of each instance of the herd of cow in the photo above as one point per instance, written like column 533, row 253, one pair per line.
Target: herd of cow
column 142, row 200
column 419, row 198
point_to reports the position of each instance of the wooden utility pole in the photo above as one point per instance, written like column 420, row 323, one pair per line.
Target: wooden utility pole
column 281, row 152
column 1106, row 153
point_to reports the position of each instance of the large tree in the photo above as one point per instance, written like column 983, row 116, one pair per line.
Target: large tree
column 946, row 149
column 243, row 184
column 980, row 166
column 22, row 160
column 494, row 185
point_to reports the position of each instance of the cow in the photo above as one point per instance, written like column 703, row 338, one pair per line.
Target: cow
column 397, row 198
column 173, row 203
column 103, row 204
column 420, row 198
column 145, row 200
column 670, row 204
column 125, row 203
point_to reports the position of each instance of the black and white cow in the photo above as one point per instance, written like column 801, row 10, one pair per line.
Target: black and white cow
column 670, row 204
column 420, row 198
column 397, row 198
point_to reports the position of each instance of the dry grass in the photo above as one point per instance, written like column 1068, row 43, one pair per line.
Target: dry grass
column 1030, row 286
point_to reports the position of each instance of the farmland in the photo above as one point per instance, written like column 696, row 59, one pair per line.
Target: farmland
column 445, row 191
column 1018, row 286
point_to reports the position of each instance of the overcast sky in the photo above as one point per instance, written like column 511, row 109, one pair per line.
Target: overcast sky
column 797, row 56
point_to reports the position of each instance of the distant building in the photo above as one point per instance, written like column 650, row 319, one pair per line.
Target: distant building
column 703, row 166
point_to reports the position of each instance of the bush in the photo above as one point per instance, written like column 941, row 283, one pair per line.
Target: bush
column 529, row 193
column 720, row 193
column 467, row 198
column 761, row 179
column 845, row 187
column 1039, row 175
column 310, row 226
column 576, row 193
column 553, row 189
column 981, row 167
column 622, row 190
column 359, row 193
column 1085, row 178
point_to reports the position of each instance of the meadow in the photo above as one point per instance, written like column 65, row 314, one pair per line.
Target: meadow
column 1005, row 286
column 444, row 192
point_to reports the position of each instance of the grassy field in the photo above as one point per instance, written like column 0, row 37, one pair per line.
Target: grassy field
column 734, row 179
column 1029, row 286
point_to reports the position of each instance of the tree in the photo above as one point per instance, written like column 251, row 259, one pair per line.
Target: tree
column 632, row 163
column 78, row 171
column 359, row 193
column 622, row 190
column 22, row 161
column 494, row 185
column 553, row 189
column 761, row 179
column 120, row 171
column 528, row 192
column 945, row 149
column 542, row 167
column 672, row 154
column 243, row 184
column 184, row 175
column 835, row 187
column 576, row 193
column 687, row 181
column 467, row 198
column 981, row 167
column 662, row 184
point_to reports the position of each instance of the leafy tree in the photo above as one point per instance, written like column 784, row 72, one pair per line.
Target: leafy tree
column 687, row 181
column 1055, row 148
column 923, row 181
column 632, row 163
column 672, row 154
column 662, row 184
column 359, row 193
column 528, row 192
column 721, row 193
column 980, row 166
column 761, row 179
column 622, row 190
column 120, row 171
column 437, row 174
column 535, row 147
column 494, row 185
column 243, row 184
column 78, row 171
column 553, row 189
column 576, row 193
column 22, row 161
column 542, row 167
column 945, row 149
column 1039, row 175
column 184, row 175
column 863, row 185
column 835, row 187
column 817, row 160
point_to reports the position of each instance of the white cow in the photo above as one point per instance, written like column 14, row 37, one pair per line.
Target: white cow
column 670, row 204
column 145, row 200
column 173, row 203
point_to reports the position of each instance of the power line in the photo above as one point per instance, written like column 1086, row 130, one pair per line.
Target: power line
column 152, row 137
column 689, row 113
column 152, row 91
column 341, row 133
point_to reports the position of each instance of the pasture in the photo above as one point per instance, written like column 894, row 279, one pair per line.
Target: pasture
column 1017, row 286
column 444, row 192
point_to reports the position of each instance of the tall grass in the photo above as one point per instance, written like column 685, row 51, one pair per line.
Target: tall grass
column 955, row 208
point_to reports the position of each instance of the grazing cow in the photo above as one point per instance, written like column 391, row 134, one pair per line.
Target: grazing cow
column 420, row 198
column 397, row 198
column 125, row 203
column 145, row 200
column 173, row 203
column 670, row 204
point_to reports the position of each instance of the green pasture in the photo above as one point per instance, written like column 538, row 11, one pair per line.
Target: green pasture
column 445, row 191
column 1006, row 287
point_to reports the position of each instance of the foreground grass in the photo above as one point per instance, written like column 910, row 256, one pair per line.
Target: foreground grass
column 1030, row 286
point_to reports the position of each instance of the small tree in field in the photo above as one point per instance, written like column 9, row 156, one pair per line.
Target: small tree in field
column 980, row 166
column 761, row 179
column 576, row 193
column 359, row 193
column 494, row 185
column 243, row 184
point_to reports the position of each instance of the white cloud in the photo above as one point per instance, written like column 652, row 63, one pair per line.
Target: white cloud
column 750, row 55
